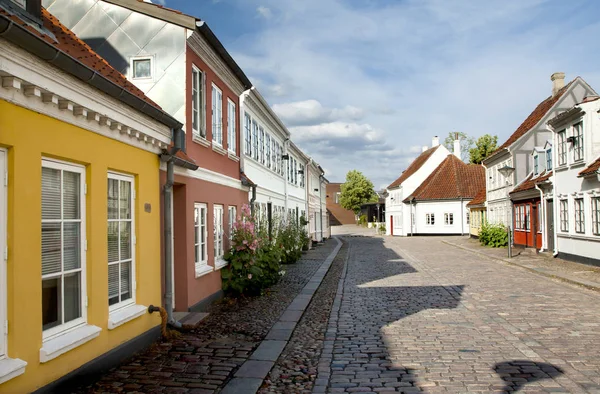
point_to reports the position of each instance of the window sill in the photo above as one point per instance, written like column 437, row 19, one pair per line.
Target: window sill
column 220, row 263
column 201, row 271
column 200, row 140
column 124, row 315
column 232, row 156
column 68, row 341
column 11, row 368
column 218, row 148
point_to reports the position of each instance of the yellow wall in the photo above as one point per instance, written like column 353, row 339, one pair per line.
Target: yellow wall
column 30, row 136
column 477, row 218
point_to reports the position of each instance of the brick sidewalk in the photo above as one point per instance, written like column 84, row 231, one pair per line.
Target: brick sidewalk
column 544, row 264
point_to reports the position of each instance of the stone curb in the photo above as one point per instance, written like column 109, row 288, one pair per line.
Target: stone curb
column 324, row 366
column 252, row 373
column 537, row 272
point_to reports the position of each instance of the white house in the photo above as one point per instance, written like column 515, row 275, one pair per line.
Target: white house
column 296, row 204
column 398, row 213
column 316, row 190
column 576, row 208
column 510, row 164
column 439, row 204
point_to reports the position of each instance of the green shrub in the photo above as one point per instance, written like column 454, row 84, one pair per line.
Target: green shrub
column 362, row 220
column 290, row 241
column 381, row 228
column 494, row 235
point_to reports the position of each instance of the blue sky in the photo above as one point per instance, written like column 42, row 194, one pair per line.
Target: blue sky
column 363, row 84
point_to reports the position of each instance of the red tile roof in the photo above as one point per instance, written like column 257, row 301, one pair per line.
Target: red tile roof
column 453, row 179
column 479, row 198
column 530, row 182
column 591, row 169
column 538, row 113
column 413, row 167
column 70, row 44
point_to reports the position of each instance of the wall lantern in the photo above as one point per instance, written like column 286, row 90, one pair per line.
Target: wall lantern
column 571, row 139
column 300, row 171
column 316, row 190
column 285, row 157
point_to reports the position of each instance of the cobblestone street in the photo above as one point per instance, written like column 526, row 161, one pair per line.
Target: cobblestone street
column 417, row 314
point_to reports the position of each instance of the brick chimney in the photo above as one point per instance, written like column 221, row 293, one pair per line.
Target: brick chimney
column 558, row 82
column 456, row 146
column 435, row 141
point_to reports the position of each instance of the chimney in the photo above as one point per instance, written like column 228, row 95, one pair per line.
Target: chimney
column 425, row 147
column 435, row 141
column 558, row 82
column 456, row 146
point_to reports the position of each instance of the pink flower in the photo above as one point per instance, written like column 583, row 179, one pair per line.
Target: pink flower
column 245, row 242
column 249, row 276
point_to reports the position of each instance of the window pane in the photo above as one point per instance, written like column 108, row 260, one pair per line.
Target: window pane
column 142, row 68
column 51, row 303
column 126, row 281
column 72, row 246
column 125, row 200
column 113, row 241
column 51, row 248
column 71, row 198
column 113, row 284
column 72, row 296
column 113, row 199
column 50, row 193
column 125, row 240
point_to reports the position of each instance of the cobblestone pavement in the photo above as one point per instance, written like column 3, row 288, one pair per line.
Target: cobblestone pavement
column 420, row 315
column 204, row 359
column 296, row 369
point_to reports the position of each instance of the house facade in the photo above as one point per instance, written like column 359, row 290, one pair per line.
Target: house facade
column 318, row 223
column 297, row 205
column 439, row 204
column 510, row 164
column 399, row 217
column 477, row 212
column 80, row 203
column 337, row 214
column 576, row 180
column 180, row 64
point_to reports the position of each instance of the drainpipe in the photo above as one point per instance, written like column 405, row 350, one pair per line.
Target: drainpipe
column 168, row 236
column 252, row 200
column 543, row 215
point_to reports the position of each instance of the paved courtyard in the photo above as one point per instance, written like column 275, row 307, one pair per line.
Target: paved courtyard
column 419, row 315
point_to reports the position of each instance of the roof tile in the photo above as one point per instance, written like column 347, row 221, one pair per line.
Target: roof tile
column 530, row 182
column 479, row 198
column 591, row 169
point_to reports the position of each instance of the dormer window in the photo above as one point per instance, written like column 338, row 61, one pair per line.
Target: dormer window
column 549, row 159
column 578, row 141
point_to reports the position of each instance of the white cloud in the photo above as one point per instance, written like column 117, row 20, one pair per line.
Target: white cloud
column 265, row 12
column 311, row 112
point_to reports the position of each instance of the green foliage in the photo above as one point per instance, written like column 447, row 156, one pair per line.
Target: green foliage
column 466, row 143
column 290, row 241
column 362, row 220
column 381, row 228
column 494, row 235
column 356, row 191
column 485, row 145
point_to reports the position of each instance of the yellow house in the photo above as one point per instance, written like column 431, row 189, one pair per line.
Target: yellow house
column 80, row 213
column 477, row 214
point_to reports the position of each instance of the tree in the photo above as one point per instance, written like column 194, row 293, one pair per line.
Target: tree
column 357, row 190
column 485, row 145
column 466, row 143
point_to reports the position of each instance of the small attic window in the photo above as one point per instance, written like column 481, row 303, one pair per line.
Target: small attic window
column 141, row 68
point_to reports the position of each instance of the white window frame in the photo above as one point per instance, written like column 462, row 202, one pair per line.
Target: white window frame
column 3, row 243
column 80, row 321
column 255, row 132
column 430, row 219
column 199, row 102
column 232, row 214
column 201, row 266
column 564, row 215
column 578, row 148
column 218, row 233
column 595, row 211
column 217, row 115
column 561, row 150
column 133, row 59
column 261, row 143
column 579, row 215
column 268, row 150
column 231, row 127
column 449, row 219
column 549, row 163
column 130, row 301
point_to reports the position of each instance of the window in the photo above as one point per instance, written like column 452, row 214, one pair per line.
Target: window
column 218, row 231
column 562, row 147
column 448, row 219
column 231, row 130
column 274, row 165
column 295, row 172
column 518, row 217
column 232, row 214
column 248, row 134
column 268, row 149
column 200, row 237
column 579, row 219
column 596, row 215
column 278, row 157
column 301, row 175
column 262, row 144
column 539, row 218
column 527, row 217
column 536, row 164
column 549, row 159
column 63, row 240
column 564, row 218
column 141, row 68
column 430, row 219
column 198, row 124
column 254, row 139
column 121, row 237
column 217, row 115
column 578, row 141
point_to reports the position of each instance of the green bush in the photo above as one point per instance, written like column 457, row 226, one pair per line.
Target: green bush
column 494, row 235
column 290, row 241
column 381, row 228
column 362, row 220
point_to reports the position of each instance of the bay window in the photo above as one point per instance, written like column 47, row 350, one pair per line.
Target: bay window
column 63, row 247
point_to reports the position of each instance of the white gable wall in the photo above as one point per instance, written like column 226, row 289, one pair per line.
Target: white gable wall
column 457, row 208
